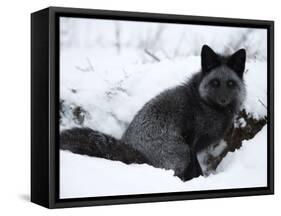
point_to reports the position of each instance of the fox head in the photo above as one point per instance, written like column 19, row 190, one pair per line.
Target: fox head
column 222, row 77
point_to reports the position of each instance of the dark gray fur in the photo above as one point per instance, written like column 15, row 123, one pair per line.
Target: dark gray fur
column 171, row 128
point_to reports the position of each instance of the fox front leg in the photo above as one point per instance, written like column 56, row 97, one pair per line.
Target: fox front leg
column 193, row 169
column 210, row 157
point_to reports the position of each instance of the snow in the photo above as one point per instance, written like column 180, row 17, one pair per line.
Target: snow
column 256, row 83
column 104, row 69
column 240, row 123
column 83, row 176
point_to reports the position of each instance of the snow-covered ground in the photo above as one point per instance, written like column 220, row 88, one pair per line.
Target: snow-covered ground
column 106, row 68
column 83, row 176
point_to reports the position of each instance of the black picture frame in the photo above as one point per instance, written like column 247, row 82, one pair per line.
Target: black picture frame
column 45, row 106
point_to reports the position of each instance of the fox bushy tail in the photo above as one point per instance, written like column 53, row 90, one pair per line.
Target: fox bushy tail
column 86, row 141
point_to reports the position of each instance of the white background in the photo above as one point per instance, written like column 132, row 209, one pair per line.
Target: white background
column 15, row 107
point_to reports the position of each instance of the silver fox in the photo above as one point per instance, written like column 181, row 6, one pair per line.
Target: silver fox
column 174, row 126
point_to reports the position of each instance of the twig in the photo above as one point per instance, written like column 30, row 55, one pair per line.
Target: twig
column 152, row 55
column 117, row 36
column 123, row 124
column 263, row 104
column 88, row 68
column 91, row 68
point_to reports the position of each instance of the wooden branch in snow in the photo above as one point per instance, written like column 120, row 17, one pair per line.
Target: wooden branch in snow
column 236, row 135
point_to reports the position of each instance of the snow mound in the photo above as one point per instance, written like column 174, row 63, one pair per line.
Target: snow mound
column 83, row 176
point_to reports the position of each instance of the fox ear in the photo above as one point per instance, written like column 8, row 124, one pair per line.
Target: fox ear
column 237, row 62
column 209, row 59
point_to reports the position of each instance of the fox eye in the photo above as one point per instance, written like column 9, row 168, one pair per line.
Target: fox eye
column 230, row 83
column 215, row 83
